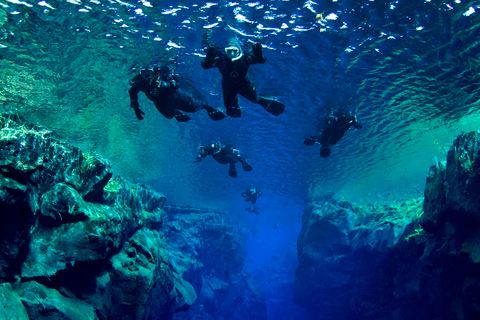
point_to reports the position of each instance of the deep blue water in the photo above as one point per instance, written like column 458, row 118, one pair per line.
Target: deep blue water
column 410, row 69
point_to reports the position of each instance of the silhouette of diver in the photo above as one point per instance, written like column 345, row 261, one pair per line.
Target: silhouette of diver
column 253, row 209
column 162, row 87
column 335, row 127
column 224, row 154
column 233, row 63
column 251, row 194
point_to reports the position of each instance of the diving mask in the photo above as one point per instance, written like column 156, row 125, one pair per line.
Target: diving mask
column 233, row 53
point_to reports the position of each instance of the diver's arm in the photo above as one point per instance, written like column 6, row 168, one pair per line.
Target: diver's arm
column 203, row 153
column 135, row 88
column 357, row 124
column 256, row 55
column 211, row 58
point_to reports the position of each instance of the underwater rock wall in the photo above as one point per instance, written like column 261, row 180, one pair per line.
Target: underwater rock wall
column 209, row 252
column 77, row 241
column 412, row 260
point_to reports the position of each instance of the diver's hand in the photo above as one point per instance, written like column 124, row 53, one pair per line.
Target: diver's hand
column 257, row 48
column 258, row 53
column 136, row 107
column 198, row 159
column 211, row 53
column 209, row 60
column 173, row 84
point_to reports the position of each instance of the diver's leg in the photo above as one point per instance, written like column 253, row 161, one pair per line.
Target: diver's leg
column 324, row 141
column 230, row 100
column 335, row 138
column 248, row 90
column 245, row 165
column 186, row 102
column 165, row 109
column 232, row 172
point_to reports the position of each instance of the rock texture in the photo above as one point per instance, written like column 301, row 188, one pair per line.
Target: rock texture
column 409, row 260
column 207, row 250
column 79, row 242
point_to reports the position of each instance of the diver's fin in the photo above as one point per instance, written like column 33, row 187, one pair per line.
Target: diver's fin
column 325, row 151
column 232, row 172
column 310, row 141
column 272, row 106
column 181, row 117
column 234, row 111
column 246, row 167
column 215, row 114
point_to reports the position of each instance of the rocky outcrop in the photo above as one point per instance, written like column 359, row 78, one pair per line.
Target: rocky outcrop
column 208, row 251
column 452, row 198
column 79, row 242
column 411, row 260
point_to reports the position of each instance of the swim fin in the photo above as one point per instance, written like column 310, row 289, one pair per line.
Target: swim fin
column 181, row 117
column 310, row 141
column 272, row 106
column 247, row 167
column 215, row 114
column 325, row 151
column 234, row 111
column 232, row 172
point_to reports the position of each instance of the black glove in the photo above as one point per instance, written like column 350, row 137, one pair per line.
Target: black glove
column 198, row 159
column 210, row 58
column 211, row 53
column 257, row 48
column 136, row 107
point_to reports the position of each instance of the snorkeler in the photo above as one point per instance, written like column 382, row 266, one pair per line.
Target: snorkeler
column 233, row 62
column 224, row 154
column 251, row 194
column 162, row 87
column 333, row 130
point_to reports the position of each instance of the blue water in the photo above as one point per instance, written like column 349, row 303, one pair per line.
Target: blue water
column 410, row 69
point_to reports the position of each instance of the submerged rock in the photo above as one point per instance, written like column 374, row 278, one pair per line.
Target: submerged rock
column 44, row 303
column 11, row 306
column 398, row 261
column 207, row 249
column 452, row 198
column 79, row 242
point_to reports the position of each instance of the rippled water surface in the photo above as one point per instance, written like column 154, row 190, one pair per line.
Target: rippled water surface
column 410, row 68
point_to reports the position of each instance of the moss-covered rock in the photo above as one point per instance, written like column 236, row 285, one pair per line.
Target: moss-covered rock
column 76, row 228
column 45, row 303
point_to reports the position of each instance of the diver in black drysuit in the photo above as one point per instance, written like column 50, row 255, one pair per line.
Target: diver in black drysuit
column 162, row 87
column 251, row 194
column 224, row 154
column 333, row 130
column 233, row 62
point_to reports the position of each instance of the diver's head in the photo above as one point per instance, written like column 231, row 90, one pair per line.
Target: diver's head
column 233, row 50
column 216, row 147
column 233, row 53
